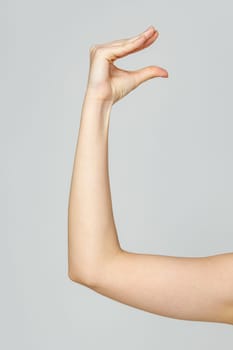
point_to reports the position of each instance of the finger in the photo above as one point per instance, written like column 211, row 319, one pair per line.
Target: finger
column 114, row 52
column 148, row 42
column 150, row 29
column 144, row 74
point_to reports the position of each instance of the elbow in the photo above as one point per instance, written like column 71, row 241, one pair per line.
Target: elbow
column 87, row 277
column 73, row 276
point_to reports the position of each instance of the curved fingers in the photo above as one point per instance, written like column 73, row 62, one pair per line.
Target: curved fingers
column 121, row 50
column 148, row 42
column 123, row 47
column 124, row 41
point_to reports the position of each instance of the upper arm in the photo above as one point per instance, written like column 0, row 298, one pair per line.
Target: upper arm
column 189, row 288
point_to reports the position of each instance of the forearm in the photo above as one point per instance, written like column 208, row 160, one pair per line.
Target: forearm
column 92, row 234
column 180, row 287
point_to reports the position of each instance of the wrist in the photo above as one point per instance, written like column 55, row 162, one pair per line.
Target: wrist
column 94, row 96
column 96, row 111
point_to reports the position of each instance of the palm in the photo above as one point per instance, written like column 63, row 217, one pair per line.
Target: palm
column 121, row 82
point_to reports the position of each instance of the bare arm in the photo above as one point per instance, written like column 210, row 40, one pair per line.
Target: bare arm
column 188, row 288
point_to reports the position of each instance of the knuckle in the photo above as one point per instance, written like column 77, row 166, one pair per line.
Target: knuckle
column 94, row 49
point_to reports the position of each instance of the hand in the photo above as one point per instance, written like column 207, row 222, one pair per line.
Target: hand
column 107, row 82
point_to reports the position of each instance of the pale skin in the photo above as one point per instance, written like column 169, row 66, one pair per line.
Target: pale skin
column 185, row 288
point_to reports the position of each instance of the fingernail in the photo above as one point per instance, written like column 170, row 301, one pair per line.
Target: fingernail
column 148, row 28
column 163, row 74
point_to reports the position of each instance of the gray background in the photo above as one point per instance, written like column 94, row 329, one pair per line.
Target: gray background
column 170, row 149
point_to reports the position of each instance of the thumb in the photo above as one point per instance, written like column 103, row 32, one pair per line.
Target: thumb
column 143, row 74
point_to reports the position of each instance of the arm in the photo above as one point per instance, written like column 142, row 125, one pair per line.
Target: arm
column 187, row 288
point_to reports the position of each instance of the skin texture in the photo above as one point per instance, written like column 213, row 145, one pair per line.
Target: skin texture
column 188, row 288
